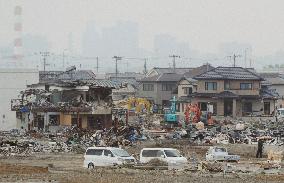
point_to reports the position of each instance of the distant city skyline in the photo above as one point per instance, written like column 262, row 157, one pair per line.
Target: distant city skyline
column 199, row 31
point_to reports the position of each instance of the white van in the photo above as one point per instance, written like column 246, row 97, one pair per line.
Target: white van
column 106, row 156
column 168, row 155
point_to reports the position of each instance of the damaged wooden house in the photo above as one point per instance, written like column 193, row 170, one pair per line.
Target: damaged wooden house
column 65, row 99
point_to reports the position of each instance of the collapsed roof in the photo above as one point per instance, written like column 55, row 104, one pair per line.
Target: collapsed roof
column 74, row 78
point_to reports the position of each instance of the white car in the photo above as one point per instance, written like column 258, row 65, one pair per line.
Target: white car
column 106, row 156
column 169, row 155
column 280, row 113
column 220, row 154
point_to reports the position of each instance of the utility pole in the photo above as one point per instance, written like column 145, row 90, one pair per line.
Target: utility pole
column 97, row 64
column 63, row 60
column 235, row 56
column 246, row 57
column 145, row 67
column 44, row 55
column 127, row 66
column 207, row 66
column 117, row 58
column 174, row 60
column 234, row 59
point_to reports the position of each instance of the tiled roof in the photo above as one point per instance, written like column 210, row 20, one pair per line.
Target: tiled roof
column 273, row 78
column 227, row 94
column 169, row 74
column 264, row 94
column 126, row 75
column 190, row 80
column 269, row 74
column 224, row 94
column 105, row 83
column 170, row 77
column 91, row 83
column 51, row 76
column 269, row 93
column 132, row 81
column 171, row 70
column 198, row 70
column 78, row 75
column 153, row 78
column 229, row 73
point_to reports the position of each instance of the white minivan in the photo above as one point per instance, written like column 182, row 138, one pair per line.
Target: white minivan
column 169, row 155
column 280, row 113
column 106, row 156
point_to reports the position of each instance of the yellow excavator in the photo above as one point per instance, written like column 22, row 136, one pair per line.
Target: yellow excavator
column 139, row 105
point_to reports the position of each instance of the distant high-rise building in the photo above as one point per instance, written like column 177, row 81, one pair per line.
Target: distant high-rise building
column 18, row 27
column 121, row 39
column 165, row 45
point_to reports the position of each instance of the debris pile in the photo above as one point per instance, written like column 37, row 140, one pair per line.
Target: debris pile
column 213, row 167
column 15, row 143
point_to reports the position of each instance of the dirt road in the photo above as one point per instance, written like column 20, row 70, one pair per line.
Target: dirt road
column 67, row 167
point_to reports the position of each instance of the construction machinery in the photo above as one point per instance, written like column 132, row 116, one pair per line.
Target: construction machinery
column 193, row 114
column 139, row 105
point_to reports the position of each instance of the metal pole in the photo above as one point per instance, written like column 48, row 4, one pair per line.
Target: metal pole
column 97, row 64
column 174, row 60
column 117, row 58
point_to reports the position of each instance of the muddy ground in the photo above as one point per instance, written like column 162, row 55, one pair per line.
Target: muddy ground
column 67, row 167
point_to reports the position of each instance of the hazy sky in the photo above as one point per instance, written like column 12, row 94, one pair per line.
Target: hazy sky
column 205, row 24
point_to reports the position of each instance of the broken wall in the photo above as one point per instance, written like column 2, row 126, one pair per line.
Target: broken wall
column 84, row 121
column 65, row 119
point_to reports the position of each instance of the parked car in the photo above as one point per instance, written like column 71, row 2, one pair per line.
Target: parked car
column 280, row 114
column 106, row 156
column 168, row 155
column 220, row 154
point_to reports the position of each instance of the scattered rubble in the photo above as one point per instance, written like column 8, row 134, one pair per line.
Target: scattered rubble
column 239, row 136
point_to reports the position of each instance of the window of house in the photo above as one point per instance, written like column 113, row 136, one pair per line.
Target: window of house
column 187, row 90
column 246, row 86
column 210, row 86
column 227, row 85
column 46, row 87
column 54, row 120
column 247, row 107
column 266, row 108
column 148, row 87
column 203, row 106
column 168, row 87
